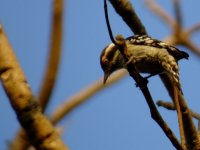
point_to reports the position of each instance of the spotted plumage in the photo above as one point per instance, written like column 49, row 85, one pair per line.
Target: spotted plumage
column 149, row 56
column 146, row 40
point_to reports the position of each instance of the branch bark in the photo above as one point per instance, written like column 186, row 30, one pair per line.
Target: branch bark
column 125, row 10
column 54, row 55
column 38, row 128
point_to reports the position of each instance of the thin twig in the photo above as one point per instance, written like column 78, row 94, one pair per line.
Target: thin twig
column 154, row 7
column 193, row 29
column 156, row 116
column 179, row 114
column 170, row 106
column 192, row 138
column 189, row 128
column 108, row 23
column 178, row 14
column 190, row 45
column 54, row 55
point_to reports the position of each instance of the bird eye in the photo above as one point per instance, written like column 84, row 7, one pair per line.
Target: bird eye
column 105, row 61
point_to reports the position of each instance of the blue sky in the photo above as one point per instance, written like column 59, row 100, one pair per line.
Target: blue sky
column 116, row 118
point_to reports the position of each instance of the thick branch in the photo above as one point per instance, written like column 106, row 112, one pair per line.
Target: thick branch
column 125, row 10
column 38, row 128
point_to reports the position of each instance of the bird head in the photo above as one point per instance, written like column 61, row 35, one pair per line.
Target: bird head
column 111, row 60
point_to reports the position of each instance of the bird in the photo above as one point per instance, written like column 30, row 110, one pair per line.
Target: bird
column 148, row 55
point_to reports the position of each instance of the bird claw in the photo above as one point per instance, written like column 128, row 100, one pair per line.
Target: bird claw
column 131, row 60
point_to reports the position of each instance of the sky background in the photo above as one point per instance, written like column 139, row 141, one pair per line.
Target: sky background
column 116, row 118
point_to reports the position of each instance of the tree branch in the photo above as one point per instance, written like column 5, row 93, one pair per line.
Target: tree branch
column 170, row 106
column 193, row 29
column 38, row 128
column 125, row 10
column 50, row 75
column 192, row 138
column 154, row 7
column 177, row 12
column 54, row 55
column 189, row 44
column 84, row 95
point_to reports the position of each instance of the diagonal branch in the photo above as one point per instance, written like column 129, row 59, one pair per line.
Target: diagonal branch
column 83, row 96
column 154, row 7
column 125, row 10
column 189, row 44
column 38, row 128
column 193, row 29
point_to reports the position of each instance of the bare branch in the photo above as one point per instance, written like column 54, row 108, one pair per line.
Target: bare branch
column 178, row 14
column 189, row 44
column 51, row 71
column 38, row 128
column 20, row 142
column 193, row 29
column 154, row 7
column 170, row 106
column 189, row 128
column 125, row 10
column 180, row 117
column 54, row 55
column 192, row 138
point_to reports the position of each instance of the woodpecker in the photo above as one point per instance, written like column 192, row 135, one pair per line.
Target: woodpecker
column 148, row 56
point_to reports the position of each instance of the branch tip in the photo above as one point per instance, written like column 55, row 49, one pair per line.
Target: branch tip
column 1, row 28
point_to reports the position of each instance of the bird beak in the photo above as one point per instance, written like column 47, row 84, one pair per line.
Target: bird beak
column 106, row 75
